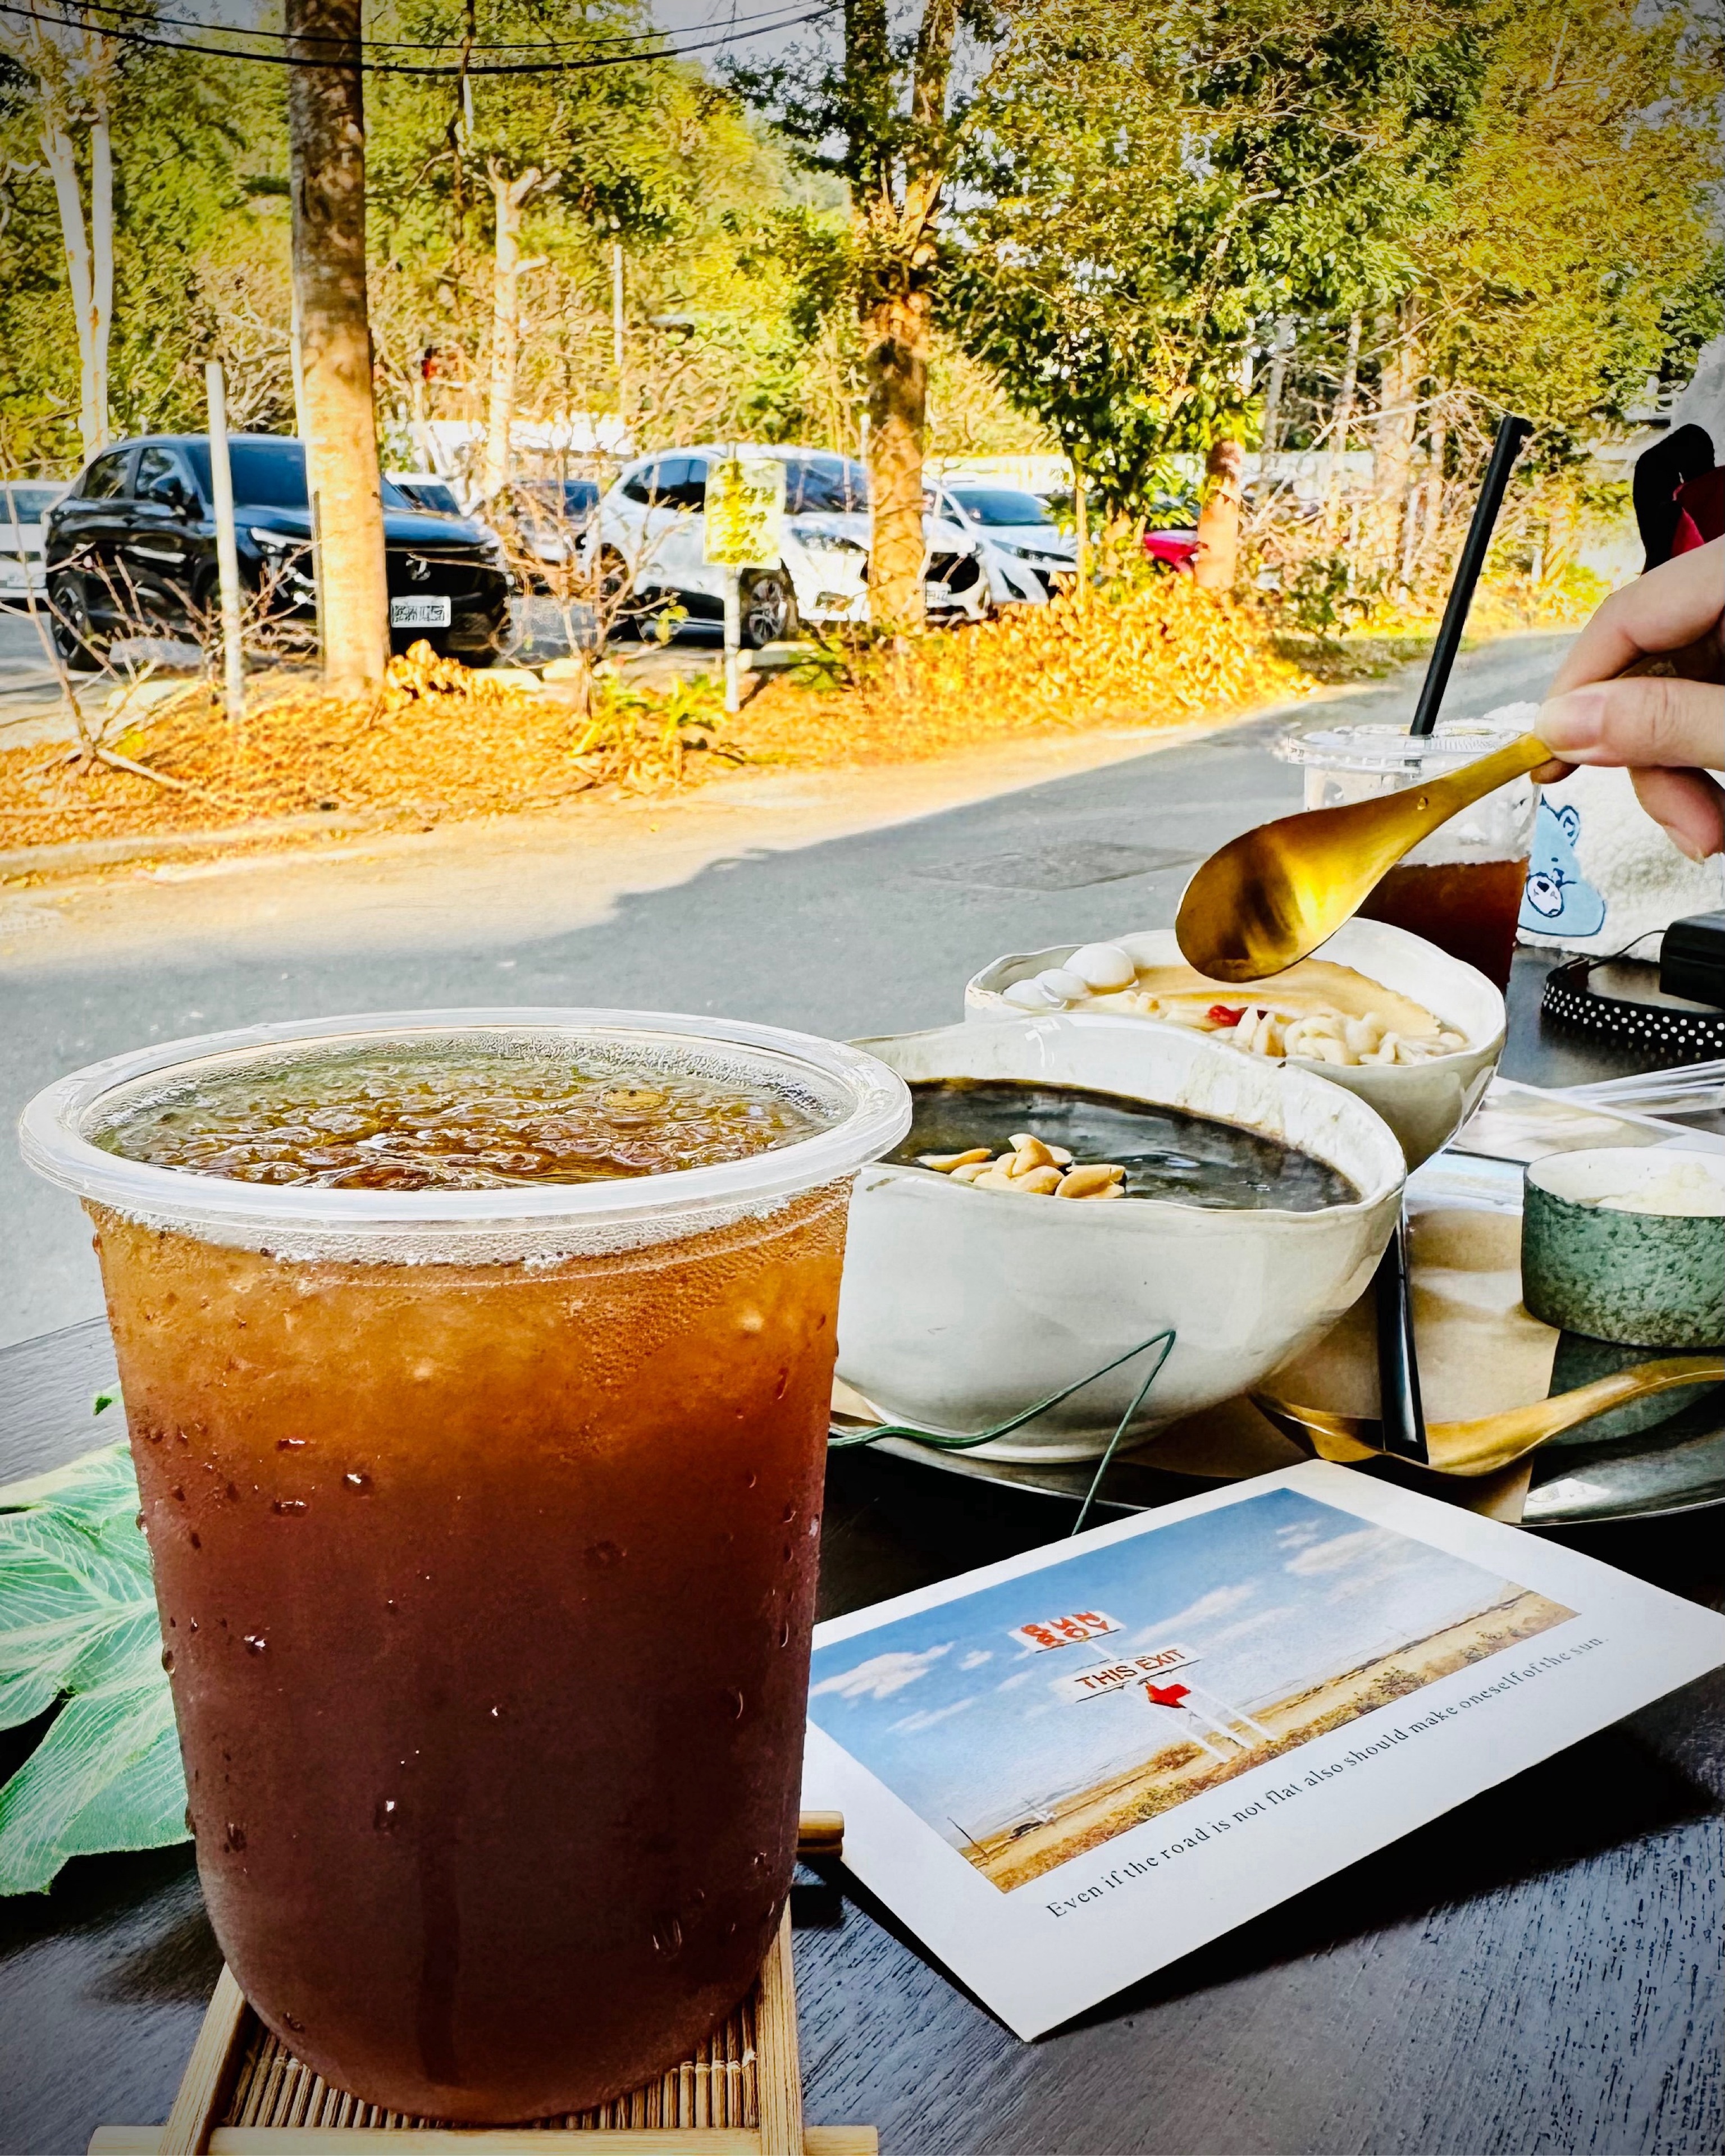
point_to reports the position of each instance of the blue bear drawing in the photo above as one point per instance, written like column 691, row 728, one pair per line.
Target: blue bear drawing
column 1558, row 899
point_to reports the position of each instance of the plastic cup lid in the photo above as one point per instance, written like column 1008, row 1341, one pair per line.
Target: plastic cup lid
column 867, row 1106
column 1371, row 748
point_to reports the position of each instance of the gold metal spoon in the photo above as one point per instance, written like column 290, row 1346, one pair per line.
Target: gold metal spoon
column 1270, row 896
column 1493, row 1441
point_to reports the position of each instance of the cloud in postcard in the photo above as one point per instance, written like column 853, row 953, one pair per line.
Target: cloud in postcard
column 975, row 1658
column 882, row 1674
column 927, row 1717
column 1340, row 1552
column 1219, row 1602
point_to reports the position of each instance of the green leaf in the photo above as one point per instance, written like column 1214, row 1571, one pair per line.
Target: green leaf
column 78, row 1621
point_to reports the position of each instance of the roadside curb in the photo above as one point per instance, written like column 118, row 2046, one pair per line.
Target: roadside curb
column 97, row 853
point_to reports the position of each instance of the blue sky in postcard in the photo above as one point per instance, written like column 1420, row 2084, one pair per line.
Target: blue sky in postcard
column 965, row 1722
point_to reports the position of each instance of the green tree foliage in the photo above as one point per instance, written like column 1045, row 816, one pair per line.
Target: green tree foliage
column 193, row 247
column 1569, row 255
column 1149, row 185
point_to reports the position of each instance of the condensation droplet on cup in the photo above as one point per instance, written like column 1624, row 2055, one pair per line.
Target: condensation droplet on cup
column 785, row 1631
column 288, row 1505
column 167, row 1660
column 668, row 1936
column 255, row 1643
column 735, row 1701
column 234, row 1837
column 355, row 1478
column 787, row 1515
column 386, row 1817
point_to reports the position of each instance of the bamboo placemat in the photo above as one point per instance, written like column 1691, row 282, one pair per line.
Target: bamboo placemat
column 244, row 2093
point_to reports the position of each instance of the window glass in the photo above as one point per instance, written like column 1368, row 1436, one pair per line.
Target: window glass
column 432, row 494
column 266, row 474
column 579, row 495
column 1000, row 505
column 160, row 478
column 24, row 503
column 825, row 485
column 106, row 476
column 647, row 484
column 684, row 486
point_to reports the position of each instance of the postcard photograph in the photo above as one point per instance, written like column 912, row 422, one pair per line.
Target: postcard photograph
column 1032, row 1721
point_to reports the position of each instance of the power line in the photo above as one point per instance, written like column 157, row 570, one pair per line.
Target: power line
column 74, row 13
column 589, row 60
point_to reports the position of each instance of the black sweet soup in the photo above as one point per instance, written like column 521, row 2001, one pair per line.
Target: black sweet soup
column 1167, row 1153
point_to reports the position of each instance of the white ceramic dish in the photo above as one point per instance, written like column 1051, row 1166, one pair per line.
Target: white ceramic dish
column 960, row 1307
column 1424, row 1104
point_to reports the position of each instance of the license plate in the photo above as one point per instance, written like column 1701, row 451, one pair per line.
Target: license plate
column 936, row 594
column 418, row 614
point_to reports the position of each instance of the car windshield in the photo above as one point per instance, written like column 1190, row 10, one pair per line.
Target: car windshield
column 431, row 494
column 1001, row 505
column 270, row 474
column 24, row 503
column 829, row 485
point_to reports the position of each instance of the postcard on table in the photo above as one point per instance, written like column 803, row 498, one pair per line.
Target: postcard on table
column 1066, row 1770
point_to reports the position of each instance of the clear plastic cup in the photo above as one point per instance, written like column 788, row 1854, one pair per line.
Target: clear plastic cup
column 485, row 1533
column 1460, row 888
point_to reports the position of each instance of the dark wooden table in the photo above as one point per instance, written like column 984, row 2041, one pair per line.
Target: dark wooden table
column 1538, row 1971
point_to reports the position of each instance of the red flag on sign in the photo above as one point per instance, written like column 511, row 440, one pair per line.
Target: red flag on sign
column 1165, row 1695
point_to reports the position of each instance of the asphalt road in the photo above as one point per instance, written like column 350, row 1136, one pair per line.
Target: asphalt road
column 871, row 933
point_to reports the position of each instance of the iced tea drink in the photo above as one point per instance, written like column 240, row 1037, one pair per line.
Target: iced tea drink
column 485, row 1534
column 1461, row 888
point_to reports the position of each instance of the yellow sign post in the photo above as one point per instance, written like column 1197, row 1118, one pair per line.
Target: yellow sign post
column 743, row 519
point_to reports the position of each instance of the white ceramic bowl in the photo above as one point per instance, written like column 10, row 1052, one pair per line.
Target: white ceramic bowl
column 960, row 1307
column 1424, row 1104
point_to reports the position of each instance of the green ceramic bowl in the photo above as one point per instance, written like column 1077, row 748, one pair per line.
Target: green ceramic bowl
column 1651, row 1279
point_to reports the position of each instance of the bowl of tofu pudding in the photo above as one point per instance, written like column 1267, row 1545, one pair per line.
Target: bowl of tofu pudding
column 1412, row 1031
column 1073, row 1186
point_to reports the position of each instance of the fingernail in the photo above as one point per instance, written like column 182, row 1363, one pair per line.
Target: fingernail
column 1576, row 720
column 1692, row 849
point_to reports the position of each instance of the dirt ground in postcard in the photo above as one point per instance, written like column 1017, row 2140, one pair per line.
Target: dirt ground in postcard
column 1180, row 1771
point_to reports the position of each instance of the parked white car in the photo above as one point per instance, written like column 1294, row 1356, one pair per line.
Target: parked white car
column 1016, row 535
column 650, row 530
column 24, row 503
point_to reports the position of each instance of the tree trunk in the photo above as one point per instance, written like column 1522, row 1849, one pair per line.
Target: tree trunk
column 895, row 332
column 101, row 259
column 509, row 195
column 61, row 159
column 1281, row 343
column 1340, row 428
column 1398, row 423
column 327, row 142
column 1217, row 561
column 896, row 226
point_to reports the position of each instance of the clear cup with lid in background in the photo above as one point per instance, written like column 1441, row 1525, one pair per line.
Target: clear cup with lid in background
column 484, row 1515
column 1460, row 888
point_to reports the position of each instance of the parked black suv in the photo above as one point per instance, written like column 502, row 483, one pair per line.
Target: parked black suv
column 130, row 550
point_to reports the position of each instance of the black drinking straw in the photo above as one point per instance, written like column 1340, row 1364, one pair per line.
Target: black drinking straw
column 1401, row 1416
column 1511, row 432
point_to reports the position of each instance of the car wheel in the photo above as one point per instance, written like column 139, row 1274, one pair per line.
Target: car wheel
column 75, row 635
column 769, row 608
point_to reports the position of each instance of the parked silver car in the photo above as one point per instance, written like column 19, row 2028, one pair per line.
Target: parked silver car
column 650, row 529
column 24, row 503
column 1016, row 534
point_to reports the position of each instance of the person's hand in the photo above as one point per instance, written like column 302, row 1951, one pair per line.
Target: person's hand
column 1669, row 733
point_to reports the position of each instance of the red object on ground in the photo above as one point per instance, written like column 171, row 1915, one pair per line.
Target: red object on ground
column 1165, row 1695
column 1175, row 550
column 1225, row 1014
